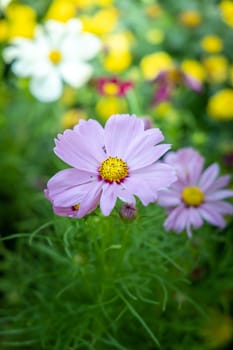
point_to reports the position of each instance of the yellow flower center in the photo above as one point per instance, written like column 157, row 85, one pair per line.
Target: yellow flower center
column 76, row 207
column 110, row 89
column 175, row 75
column 55, row 56
column 190, row 18
column 113, row 169
column 192, row 196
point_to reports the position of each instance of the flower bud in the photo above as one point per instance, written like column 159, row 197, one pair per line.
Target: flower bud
column 128, row 212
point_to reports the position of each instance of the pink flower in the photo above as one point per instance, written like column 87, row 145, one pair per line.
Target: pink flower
column 197, row 195
column 118, row 161
column 113, row 86
column 148, row 122
column 168, row 80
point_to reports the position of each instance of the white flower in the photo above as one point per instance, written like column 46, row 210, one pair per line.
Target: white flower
column 4, row 4
column 60, row 52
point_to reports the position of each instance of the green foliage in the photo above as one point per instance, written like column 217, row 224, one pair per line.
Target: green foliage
column 102, row 283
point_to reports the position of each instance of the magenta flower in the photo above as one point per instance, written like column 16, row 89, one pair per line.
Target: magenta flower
column 118, row 161
column 168, row 80
column 197, row 195
column 111, row 86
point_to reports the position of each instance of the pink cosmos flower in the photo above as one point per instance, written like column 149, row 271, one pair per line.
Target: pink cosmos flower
column 167, row 80
column 118, row 161
column 197, row 195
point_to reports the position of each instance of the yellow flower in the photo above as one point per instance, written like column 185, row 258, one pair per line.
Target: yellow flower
column 216, row 68
column 153, row 11
column 21, row 21
column 20, row 12
column 117, row 62
column 217, row 330
column 190, row 18
column 103, row 22
column 24, row 29
column 226, row 8
column 121, row 41
column 85, row 4
column 72, row 117
column 194, row 69
column 220, row 105
column 152, row 64
column 212, row 44
column 103, row 2
column 61, row 10
column 4, row 29
column 108, row 105
column 118, row 56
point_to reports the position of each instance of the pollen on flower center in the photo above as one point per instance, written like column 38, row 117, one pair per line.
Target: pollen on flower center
column 111, row 89
column 192, row 196
column 113, row 169
column 55, row 56
column 76, row 207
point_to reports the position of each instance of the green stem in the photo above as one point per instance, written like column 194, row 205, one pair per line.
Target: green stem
column 133, row 103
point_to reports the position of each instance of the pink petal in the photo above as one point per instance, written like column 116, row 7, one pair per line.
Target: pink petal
column 171, row 157
column 221, row 182
column 143, row 142
column 64, row 211
column 177, row 187
column 158, row 175
column 167, row 198
column 163, row 92
column 81, row 150
column 219, row 195
column 93, row 129
column 71, row 196
column 177, row 219
column 221, row 207
column 147, row 157
column 211, row 216
column 124, row 195
column 192, row 83
column 208, row 177
column 188, row 164
column 146, row 182
column 108, row 199
column 120, row 130
column 195, row 170
column 63, row 189
column 195, row 217
column 68, row 178
column 141, row 189
column 182, row 220
column 90, row 199
column 225, row 208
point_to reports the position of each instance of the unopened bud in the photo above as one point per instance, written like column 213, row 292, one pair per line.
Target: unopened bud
column 128, row 212
column 148, row 123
